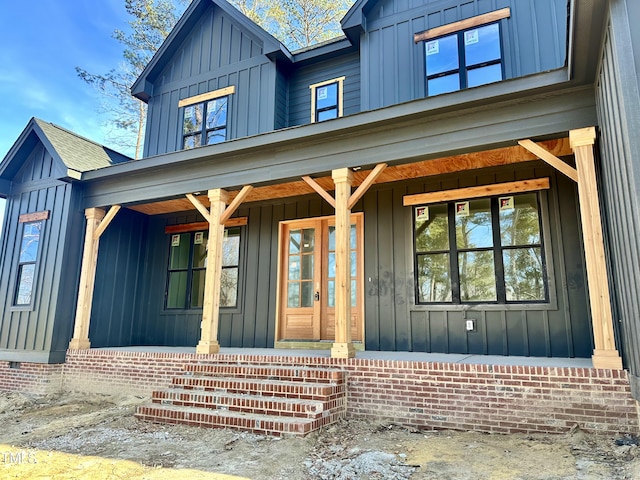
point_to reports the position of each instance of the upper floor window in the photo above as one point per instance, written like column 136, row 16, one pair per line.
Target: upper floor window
column 326, row 100
column 204, row 118
column 188, row 264
column 484, row 250
column 33, row 224
column 463, row 54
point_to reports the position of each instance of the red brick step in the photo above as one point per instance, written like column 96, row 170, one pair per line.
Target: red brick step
column 267, row 399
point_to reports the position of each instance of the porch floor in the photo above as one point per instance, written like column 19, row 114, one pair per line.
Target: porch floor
column 376, row 355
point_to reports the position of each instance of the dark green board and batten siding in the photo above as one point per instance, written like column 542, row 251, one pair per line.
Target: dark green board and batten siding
column 347, row 66
column 393, row 321
column 617, row 99
column 215, row 55
column 40, row 332
column 393, row 67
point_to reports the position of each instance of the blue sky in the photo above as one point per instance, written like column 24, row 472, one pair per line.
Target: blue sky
column 41, row 43
column 40, row 46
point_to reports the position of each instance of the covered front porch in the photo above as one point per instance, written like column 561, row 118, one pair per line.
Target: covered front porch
column 219, row 207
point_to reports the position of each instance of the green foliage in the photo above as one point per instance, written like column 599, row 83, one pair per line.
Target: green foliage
column 297, row 23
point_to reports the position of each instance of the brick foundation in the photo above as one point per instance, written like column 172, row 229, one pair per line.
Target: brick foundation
column 33, row 378
column 485, row 398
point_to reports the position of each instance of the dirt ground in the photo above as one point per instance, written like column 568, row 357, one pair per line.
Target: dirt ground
column 96, row 437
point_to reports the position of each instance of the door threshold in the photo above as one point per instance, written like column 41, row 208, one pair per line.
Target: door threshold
column 312, row 345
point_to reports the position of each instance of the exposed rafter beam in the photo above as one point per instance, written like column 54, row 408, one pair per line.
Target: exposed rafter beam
column 364, row 186
column 106, row 221
column 199, row 206
column 319, row 190
column 233, row 206
column 551, row 159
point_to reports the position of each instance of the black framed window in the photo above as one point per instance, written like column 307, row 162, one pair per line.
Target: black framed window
column 326, row 100
column 29, row 249
column 486, row 250
column 464, row 59
column 205, row 123
column 188, row 264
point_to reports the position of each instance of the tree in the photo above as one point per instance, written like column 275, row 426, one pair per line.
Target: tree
column 151, row 22
column 301, row 23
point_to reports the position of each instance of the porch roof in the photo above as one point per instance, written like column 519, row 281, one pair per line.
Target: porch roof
column 420, row 130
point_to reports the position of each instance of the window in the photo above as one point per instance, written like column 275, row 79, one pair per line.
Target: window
column 204, row 118
column 187, row 267
column 465, row 59
column 463, row 54
column 29, row 247
column 207, row 120
column 486, row 250
column 326, row 100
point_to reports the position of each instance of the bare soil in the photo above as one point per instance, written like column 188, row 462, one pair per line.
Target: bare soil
column 73, row 436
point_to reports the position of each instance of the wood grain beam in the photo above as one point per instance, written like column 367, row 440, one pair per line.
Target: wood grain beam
column 551, row 159
column 106, row 221
column 199, row 206
column 425, row 168
column 462, row 25
column 235, row 203
column 366, row 184
column 319, row 190
column 477, row 192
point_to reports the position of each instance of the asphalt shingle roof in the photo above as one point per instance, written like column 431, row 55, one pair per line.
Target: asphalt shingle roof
column 78, row 153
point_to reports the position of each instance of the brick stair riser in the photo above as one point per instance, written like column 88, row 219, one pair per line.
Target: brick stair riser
column 267, row 372
column 302, row 391
column 267, row 406
column 271, row 427
column 288, row 400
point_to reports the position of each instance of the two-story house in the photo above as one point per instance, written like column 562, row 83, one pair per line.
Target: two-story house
column 454, row 176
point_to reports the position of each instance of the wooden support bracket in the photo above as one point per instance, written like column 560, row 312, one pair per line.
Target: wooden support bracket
column 546, row 156
column 357, row 195
column 364, row 186
column 319, row 190
column 199, row 206
column 106, row 221
column 233, row 206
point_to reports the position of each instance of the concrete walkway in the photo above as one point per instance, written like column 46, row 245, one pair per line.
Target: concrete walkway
column 375, row 355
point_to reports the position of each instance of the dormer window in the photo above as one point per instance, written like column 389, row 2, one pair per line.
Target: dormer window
column 326, row 100
column 204, row 118
column 463, row 54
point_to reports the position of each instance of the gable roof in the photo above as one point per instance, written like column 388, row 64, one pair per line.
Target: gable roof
column 76, row 153
column 352, row 21
column 272, row 48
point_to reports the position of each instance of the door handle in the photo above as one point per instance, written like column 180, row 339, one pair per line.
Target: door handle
column 317, row 296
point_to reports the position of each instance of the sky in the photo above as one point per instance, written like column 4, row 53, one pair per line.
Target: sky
column 41, row 43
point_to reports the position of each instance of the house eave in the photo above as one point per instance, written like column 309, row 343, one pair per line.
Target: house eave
column 5, row 187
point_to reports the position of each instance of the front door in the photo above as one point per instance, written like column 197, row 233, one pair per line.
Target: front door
column 307, row 279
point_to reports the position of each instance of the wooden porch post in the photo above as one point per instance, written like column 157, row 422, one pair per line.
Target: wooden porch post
column 211, row 305
column 343, row 348
column 605, row 354
column 80, row 340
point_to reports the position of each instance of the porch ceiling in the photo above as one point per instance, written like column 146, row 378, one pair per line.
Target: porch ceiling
column 457, row 163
